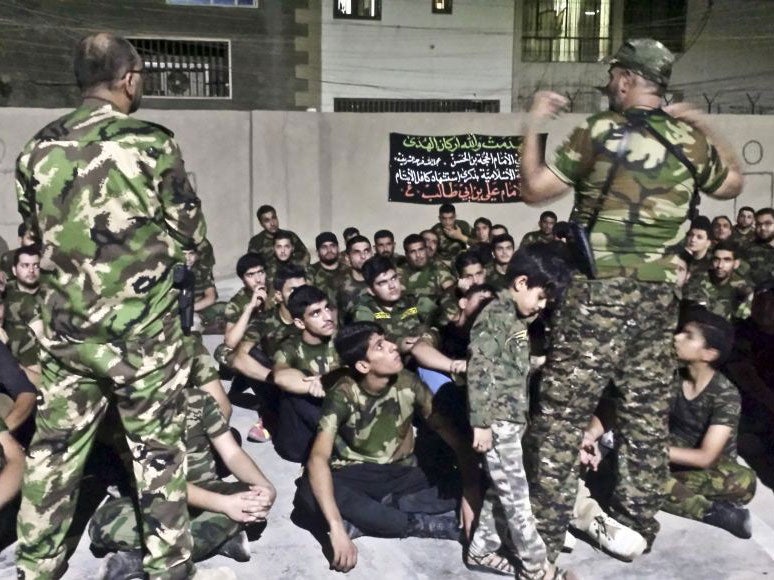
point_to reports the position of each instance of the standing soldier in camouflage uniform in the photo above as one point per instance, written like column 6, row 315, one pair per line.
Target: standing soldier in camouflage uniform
column 453, row 234
column 263, row 242
column 618, row 326
column 328, row 273
column 545, row 233
column 760, row 254
column 110, row 202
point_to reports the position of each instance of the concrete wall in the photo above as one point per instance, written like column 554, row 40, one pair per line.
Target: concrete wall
column 414, row 54
column 328, row 171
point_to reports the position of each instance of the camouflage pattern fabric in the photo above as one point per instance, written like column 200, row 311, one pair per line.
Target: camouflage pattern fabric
column 263, row 244
column 506, row 504
column 731, row 299
column 428, row 281
column 114, row 526
column 448, row 248
column 327, row 280
column 403, row 319
column 536, row 237
column 203, row 279
column 21, row 308
column 203, row 367
column 347, row 295
column 239, row 301
column 701, row 266
column 498, row 365
column 743, row 239
column 618, row 329
column 204, row 422
column 108, row 197
column 690, row 492
column 206, row 254
column 374, row 428
column 760, row 258
column 311, row 359
column 270, row 331
column 494, row 278
column 647, row 204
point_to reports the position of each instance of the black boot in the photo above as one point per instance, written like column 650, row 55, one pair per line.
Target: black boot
column 236, row 547
column 441, row 526
column 731, row 518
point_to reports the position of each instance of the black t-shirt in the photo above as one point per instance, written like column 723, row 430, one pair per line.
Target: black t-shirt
column 12, row 379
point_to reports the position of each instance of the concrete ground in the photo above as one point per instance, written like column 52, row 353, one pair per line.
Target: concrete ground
column 684, row 549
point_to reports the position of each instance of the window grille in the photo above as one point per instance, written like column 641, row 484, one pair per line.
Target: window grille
column 185, row 68
column 362, row 9
column 344, row 105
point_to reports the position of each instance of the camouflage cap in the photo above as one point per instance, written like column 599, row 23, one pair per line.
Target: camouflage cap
column 646, row 57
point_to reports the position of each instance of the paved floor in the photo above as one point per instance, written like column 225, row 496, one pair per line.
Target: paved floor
column 683, row 550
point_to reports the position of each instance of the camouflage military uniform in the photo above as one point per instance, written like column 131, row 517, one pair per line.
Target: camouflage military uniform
column 760, row 258
column 114, row 526
column 109, row 316
column 494, row 278
column 690, row 492
column 730, row 299
column 21, row 308
column 347, row 295
column 619, row 326
column 311, row 359
column 327, row 280
column 743, row 239
column 403, row 319
column 203, row 279
column 270, row 331
column 497, row 393
column 448, row 248
column 428, row 281
column 263, row 244
column 536, row 237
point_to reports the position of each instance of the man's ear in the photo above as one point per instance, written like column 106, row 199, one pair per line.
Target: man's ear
column 737, row 263
column 277, row 297
column 462, row 303
column 710, row 355
column 299, row 324
column 519, row 283
column 362, row 367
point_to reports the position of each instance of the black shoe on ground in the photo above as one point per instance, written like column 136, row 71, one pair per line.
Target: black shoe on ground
column 441, row 526
column 237, row 548
column 731, row 518
column 121, row 566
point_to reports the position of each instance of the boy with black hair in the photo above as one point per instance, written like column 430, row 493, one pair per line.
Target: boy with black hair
column 470, row 270
column 22, row 307
column 283, row 253
column 361, row 475
column 263, row 242
column 721, row 289
column 353, row 285
column 26, row 238
column 328, row 272
column 498, row 367
column 545, row 232
column 419, row 275
column 453, row 234
column 706, row 483
column 384, row 245
column 744, row 230
column 503, row 248
column 698, row 242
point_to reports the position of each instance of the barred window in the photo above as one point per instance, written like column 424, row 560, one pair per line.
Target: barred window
column 185, row 68
column 343, row 105
column 362, row 9
column 566, row 30
column 248, row 3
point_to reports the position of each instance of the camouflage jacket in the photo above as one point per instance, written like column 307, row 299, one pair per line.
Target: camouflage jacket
column 374, row 428
column 270, row 331
column 108, row 196
column 428, row 281
column 405, row 318
column 311, row 359
column 760, row 259
column 327, row 280
column 743, row 239
column 21, row 308
column 204, row 422
column 647, row 204
column 498, row 364
column 494, row 278
column 448, row 248
column 263, row 244
column 731, row 300
column 536, row 237
column 202, row 280
column 347, row 295
column 718, row 404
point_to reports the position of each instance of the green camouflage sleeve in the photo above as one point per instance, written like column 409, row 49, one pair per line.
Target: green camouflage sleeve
column 213, row 421
column 486, row 349
column 181, row 206
column 714, row 173
column 285, row 354
column 727, row 407
column 25, row 193
column 335, row 410
column 575, row 157
column 300, row 253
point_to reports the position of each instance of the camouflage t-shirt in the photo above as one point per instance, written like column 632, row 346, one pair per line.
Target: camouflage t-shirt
column 732, row 299
column 109, row 196
column 428, row 281
column 311, row 359
column 6, row 264
column 327, row 280
column 498, row 364
column 347, row 295
column 403, row 319
column 204, row 422
column 270, row 331
column 203, row 279
column 718, row 404
column 647, row 204
column 536, row 237
column 494, row 278
column 448, row 248
column 760, row 259
column 374, row 428
column 263, row 244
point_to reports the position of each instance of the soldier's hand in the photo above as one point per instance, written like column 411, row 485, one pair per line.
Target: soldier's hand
column 243, row 507
column 458, row 366
column 547, row 105
column 482, row 439
column 590, row 454
column 344, row 550
column 455, row 233
column 314, row 386
column 265, row 495
column 407, row 344
column 258, row 299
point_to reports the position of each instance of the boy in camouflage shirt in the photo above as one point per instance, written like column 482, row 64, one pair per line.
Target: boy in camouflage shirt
column 362, row 475
column 263, row 242
column 502, row 251
column 498, row 367
column 328, row 272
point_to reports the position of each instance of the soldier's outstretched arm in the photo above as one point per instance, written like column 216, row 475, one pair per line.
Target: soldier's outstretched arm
column 708, row 452
column 11, row 474
column 242, row 465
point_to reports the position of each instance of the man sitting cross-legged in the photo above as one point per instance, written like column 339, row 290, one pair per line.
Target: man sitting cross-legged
column 361, row 475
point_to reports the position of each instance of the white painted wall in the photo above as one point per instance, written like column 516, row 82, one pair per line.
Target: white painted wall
column 328, row 171
column 414, row 54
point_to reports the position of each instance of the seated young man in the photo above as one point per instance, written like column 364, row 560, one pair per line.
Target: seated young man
column 208, row 311
column 384, row 245
column 361, row 474
column 707, row 483
column 420, row 276
column 283, row 254
column 502, row 250
column 352, row 285
column 329, row 271
column 263, row 242
column 220, row 510
column 300, row 366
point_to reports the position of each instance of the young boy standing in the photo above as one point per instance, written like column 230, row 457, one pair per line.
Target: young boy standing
column 498, row 366
column 707, row 483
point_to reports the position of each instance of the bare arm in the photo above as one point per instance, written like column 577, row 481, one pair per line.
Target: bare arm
column 244, row 364
column 707, row 454
column 236, row 331
column 22, row 408
column 241, row 464
column 11, row 475
column 294, row 381
column 430, row 357
column 209, row 298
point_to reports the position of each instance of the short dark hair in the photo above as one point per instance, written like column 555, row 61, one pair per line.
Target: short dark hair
column 349, row 232
column 501, row 226
column 446, row 208
column 302, row 298
column 358, row 239
column 375, row 266
column 33, row 250
column 103, row 58
column 324, row 238
column 21, row 231
column 745, row 208
column 424, row 232
column 702, row 223
column 718, row 333
column 351, row 342
column 384, row 234
column 248, row 262
column 765, row 211
column 499, row 239
column 717, row 218
column 412, row 239
column 264, row 209
column 283, row 235
column 287, row 272
column 728, row 246
column 542, row 265
column 548, row 214
column 465, row 259
column 482, row 220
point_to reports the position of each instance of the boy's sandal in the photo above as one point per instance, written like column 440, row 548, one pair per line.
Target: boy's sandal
column 492, row 562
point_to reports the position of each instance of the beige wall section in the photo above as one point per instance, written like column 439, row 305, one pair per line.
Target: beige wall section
column 328, row 171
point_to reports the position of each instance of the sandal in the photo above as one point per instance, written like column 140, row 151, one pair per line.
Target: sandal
column 492, row 562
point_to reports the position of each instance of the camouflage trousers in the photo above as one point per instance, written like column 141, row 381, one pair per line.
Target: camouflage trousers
column 114, row 526
column 506, row 514
column 617, row 330
column 690, row 492
column 146, row 380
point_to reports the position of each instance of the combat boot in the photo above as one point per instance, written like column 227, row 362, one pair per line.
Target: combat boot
column 236, row 547
column 731, row 518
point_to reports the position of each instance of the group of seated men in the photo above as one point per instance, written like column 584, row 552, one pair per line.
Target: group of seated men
column 342, row 352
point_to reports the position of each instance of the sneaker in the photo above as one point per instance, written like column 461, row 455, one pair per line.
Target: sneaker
column 121, row 566
column 222, row 573
column 616, row 538
column 731, row 518
column 258, row 433
column 236, row 547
